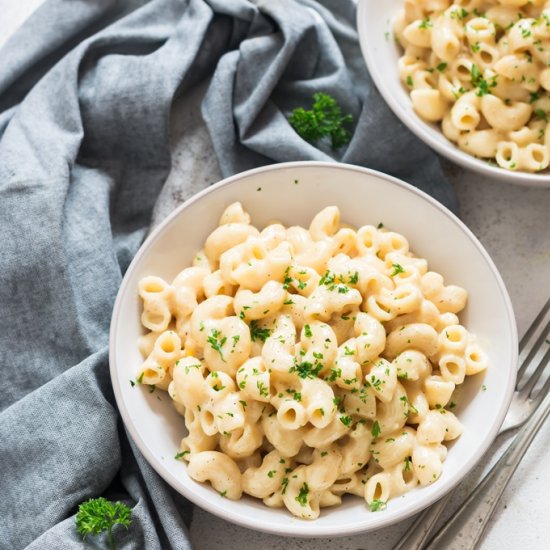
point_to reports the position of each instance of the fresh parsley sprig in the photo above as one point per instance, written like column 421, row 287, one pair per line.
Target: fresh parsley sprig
column 324, row 119
column 99, row 515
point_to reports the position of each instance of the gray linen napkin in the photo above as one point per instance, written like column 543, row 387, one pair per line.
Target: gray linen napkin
column 86, row 89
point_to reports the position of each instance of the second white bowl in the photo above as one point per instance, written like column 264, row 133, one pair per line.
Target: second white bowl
column 381, row 53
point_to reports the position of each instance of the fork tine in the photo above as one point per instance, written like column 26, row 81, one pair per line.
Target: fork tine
column 527, row 353
column 543, row 391
column 533, row 379
column 532, row 328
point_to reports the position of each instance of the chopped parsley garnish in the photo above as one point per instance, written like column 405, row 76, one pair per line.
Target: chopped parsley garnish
column 441, row 67
column 305, row 369
column 541, row 114
column 333, row 282
column 258, row 333
column 302, row 495
column 287, row 281
column 181, row 454
column 348, row 351
column 425, row 24
column 409, row 405
column 346, row 420
column 397, row 268
column 483, row 86
column 297, row 396
column 459, row 14
column 216, row 341
column 460, row 91
column 215, row 387
column 334, row 374
column 376, row 383
column 271, row 473
column 327, row 278
column 284, row 484
column 375, row 431
column 377, row 505
column 262, row 388
column 188, row 367
column 307, row 331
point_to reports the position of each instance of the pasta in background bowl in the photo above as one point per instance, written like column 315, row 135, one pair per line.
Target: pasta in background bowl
column 471, row 68
column 293, row 193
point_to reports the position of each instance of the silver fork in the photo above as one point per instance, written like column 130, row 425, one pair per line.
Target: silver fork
column 523, row 406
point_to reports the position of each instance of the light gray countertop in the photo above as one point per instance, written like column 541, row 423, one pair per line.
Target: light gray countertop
column 511, row 222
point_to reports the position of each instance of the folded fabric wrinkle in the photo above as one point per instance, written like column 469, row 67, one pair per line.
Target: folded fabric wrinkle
column 86, row 90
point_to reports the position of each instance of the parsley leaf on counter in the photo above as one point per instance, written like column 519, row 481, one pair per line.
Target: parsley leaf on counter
column 99, row 514
column 324, row 119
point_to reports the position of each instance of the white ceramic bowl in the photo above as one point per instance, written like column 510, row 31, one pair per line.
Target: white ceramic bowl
column 381, row 53
column 293, row 193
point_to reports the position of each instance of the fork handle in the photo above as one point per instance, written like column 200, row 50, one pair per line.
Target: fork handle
column 465, row 528
column 416, row 537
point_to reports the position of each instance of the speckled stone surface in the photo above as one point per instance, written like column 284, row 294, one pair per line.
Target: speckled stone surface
column 513, row 223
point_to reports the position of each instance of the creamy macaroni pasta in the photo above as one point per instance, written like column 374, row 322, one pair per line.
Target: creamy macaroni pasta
column 309, row 363
column 481, row 69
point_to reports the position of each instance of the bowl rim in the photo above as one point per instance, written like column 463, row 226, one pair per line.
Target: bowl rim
column 300, row 528
column 418, row 126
